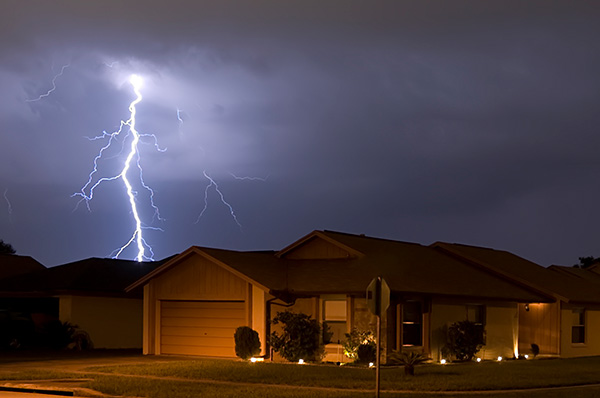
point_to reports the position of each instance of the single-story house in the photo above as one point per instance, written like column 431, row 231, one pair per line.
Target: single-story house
column 88, row 293
column 194, row 302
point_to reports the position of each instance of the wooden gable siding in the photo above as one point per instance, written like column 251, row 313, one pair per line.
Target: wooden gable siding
column 317, row 249
column 197, row 278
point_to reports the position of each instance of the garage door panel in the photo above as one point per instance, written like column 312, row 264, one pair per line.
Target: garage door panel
column 204, row 351
column 202, row 322
column 200, row 327
column 197, row 332
column 217, row 313
column 205, row 341
column 202, row 304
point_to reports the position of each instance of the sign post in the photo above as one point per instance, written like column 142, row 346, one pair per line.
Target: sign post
column 378, row 301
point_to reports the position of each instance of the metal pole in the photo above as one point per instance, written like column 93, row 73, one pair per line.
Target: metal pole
column 378, row 357
column 378, row 354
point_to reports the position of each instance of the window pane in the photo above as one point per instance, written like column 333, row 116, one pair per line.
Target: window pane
column 578, row 334
column 412, row 312
column 411, row 335
column 335, row 310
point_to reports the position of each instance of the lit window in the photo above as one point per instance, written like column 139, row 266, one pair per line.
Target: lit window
column 578, row 326
column 412, row 323
column 334, row 316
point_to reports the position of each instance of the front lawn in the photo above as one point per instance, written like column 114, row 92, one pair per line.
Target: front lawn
column 229, row 378
column 451, row 377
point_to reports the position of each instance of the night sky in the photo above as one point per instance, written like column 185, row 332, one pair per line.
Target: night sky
column 422, row 121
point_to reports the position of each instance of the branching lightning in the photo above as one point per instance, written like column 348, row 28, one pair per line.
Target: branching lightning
column 62, row 70
column 212, row 183
column 133, row 155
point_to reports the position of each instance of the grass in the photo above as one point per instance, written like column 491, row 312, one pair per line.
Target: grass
column 451, row 377
column 226, row 378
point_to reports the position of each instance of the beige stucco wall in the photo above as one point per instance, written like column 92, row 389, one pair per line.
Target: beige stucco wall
column 110, row 322
column 592, row 338
column 501, row 327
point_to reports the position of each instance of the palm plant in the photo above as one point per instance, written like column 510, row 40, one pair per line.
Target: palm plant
column 409, row 359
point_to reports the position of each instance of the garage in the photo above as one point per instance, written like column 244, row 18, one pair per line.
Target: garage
column 200, row 327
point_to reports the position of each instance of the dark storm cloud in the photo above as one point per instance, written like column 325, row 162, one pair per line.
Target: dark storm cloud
column 427, row 120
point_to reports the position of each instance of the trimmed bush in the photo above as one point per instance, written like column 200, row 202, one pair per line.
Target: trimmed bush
column 463, row 340
column 300, row 339
column 247, row 343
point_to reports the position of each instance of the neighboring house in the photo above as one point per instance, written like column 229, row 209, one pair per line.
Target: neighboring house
column 194, row 302
column 88, row 293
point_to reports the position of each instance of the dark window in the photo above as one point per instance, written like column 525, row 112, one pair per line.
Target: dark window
column 476, row 314
column 412, row 323
column 578, row 326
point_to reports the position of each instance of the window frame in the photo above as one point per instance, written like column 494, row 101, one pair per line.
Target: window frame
column 580, row 325
column 404, row 324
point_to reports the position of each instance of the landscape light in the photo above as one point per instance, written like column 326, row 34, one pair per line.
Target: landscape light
column 526, row 356
column 499, row 359
column 443, row 361
column 301, row 361
column 254, row 359
column 371, row 364
column 478, row 359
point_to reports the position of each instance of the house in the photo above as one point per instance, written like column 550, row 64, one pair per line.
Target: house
column 88, row 293
column 561, row 327
column 194, row 302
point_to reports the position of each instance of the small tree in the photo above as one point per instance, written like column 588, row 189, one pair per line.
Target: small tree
column 464, row 340
column 247, row 342
column 300, row 338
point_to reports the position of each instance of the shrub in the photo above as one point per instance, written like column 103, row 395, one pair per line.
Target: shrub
column 463, row 340
column 355, row 339
column 366, row 353
column 300, row 339
column 247, row 343
column 408, row 359
column 56, row 334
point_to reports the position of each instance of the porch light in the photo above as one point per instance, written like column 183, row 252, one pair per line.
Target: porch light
column 499, row 359
column 443, row 361
column 301, row 361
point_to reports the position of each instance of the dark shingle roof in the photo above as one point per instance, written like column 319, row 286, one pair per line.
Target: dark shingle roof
column 13, row 264
column 93, row 276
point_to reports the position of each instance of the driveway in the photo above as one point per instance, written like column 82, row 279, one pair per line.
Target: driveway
column 72, row 361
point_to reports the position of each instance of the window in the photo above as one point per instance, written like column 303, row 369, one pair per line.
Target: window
column 578, row 326
column 476, row 314
column 412, row 324
column 334, row 316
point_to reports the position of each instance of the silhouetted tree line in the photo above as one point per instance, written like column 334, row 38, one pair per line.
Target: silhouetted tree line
column 6, row 248
column 585, row 262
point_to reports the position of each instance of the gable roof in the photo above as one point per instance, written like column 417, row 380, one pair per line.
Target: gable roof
column 408, row 268
column 569, row 285
column 13, row 264
column 257, row 267
column 92, row 276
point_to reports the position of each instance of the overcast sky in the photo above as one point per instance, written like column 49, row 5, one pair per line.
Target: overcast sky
column 470, row 122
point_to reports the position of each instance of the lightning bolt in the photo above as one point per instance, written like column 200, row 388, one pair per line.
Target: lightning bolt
column 62, row 70
column 133, row 156
column 250, row 178
column 10, row 210
column 212, row 183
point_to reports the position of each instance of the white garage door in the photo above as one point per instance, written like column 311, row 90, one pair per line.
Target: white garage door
column 200, row 327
